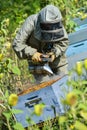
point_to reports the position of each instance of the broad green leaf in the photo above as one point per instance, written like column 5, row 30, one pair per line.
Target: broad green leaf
column 84, row 82
column 9, row 65
column 18, row 126
column 4, row 31
column 7, row 115
column 16, row 70
column 78, row 92
column 62, row 119
column 74, row 83
column 84, row 114
column 80, row 126
column 16, row 111
column 6, row 94
column 82, row 106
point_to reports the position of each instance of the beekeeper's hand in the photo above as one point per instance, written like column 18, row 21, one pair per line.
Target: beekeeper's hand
column 52, row 56
column 36, row 57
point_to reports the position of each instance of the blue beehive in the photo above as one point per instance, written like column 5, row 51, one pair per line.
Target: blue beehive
column 50, row 96
column 76, row 52
column 81, row 31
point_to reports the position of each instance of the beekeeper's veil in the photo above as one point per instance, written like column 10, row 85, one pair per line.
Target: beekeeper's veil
column 48, row 26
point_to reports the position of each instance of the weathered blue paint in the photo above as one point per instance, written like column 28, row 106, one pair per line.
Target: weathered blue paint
column 50, row 96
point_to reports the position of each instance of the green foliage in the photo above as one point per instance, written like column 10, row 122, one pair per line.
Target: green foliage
column 7, row 113
column 18, row 126
column 76, row 99
column 8, row 67
column 16, row 14
column 80, row 126
column 13, row 68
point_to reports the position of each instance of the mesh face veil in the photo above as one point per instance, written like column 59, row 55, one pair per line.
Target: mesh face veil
column 51, row 26
column 51, row 32
column 48, row 26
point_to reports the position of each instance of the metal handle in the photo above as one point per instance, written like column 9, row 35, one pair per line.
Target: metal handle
column 33, row 102
column 45, row 59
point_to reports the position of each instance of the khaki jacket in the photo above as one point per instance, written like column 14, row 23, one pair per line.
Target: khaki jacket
column 25, row 44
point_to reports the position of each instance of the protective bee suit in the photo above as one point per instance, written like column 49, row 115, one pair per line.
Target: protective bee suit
column 37, row 32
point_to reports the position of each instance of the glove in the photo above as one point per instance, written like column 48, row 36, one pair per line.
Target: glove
column 52, row 56
column 36, row 57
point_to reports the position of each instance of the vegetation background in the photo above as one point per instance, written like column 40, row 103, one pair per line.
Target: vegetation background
column 14, row 73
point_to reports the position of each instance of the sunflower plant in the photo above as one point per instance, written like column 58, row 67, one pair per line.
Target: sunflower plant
column 75, row 117
column 7, row 101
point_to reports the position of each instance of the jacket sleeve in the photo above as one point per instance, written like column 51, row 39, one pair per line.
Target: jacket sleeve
column 22, row 50
column 61, row 46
